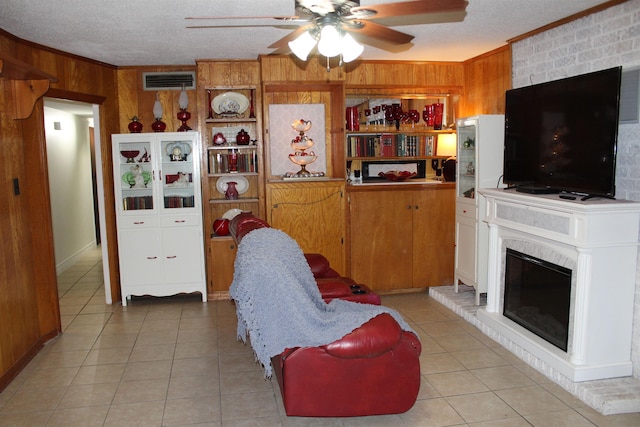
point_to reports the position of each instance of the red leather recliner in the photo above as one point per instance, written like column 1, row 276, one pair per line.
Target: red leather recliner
column 373, row 370
column 330, row 283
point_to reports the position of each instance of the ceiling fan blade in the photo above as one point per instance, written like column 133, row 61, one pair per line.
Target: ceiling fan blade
column 283, row 42
column 376, row 31
column 410, row 8
column 283, row 26
column 281, row 18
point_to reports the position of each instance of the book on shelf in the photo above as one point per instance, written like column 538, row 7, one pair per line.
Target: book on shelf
column 390, row 145
column 137, row 203
column 179, row 201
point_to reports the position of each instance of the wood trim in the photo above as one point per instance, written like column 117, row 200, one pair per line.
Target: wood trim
column 20, row 364
column 566, row 20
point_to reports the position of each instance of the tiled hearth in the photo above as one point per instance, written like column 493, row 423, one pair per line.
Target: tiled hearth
column 610, row 396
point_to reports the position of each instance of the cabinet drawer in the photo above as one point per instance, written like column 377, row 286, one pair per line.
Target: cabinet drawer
column 180, row 220
column 140, row 221
column 466, row 211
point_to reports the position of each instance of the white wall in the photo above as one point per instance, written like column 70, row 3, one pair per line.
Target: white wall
column 69, row 162
column 595, row 42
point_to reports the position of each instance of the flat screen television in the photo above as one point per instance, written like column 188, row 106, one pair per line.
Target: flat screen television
column 561, row 136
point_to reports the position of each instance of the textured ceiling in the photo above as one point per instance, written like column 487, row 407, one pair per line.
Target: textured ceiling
column 146, row 32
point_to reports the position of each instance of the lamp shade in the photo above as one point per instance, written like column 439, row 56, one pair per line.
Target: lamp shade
column 351, row 49
column 302, row 45
column 446, row 145
column 330, row 43
column 183, row 100
column 157, row 108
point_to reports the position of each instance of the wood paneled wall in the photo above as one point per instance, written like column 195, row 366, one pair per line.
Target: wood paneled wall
column 486, row 79
column 29, row 310
column 133, row 100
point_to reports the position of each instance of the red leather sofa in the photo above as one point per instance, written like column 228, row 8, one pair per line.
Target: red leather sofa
column 373, row 370
column 330, row 283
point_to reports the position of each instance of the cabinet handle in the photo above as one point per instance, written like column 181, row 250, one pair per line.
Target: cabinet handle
column 409, row 206
column 138, row 222
column 180, row 221
column 172, row 257
column 152, row 257
column 417, row 207
column 464, row 211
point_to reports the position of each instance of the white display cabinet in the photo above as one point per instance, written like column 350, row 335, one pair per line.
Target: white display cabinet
column 159, row 214
column 479, row 165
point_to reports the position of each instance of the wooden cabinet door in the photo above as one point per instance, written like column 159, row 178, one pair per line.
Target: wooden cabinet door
column 312, row 213
column 222, row 254
column 434, row 237
column 381, row 239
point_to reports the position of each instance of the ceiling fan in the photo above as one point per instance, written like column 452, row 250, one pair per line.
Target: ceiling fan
column 348, row 18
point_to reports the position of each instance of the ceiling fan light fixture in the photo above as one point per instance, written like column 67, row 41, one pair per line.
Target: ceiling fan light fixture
column 351, row 49
column 330, row 43
column 303, row 45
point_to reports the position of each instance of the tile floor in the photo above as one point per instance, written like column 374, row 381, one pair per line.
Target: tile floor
column 176, row 362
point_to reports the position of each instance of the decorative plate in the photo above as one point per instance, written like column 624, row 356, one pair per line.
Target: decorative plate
column 230, row 103
column 232, row 213
column 178, row 151
column 242, row 185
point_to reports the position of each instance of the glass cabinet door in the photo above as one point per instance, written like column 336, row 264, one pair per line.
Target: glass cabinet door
column 134, row 167
column 466, row 169
column 177, row 174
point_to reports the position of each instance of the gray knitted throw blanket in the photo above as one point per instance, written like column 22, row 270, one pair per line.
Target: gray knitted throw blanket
column 278, row 303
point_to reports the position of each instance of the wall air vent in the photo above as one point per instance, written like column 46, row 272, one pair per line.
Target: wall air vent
column 173, row 80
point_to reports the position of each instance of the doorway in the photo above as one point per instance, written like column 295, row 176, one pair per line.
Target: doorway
column 75, row 183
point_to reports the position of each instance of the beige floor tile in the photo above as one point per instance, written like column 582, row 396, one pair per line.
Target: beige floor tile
column 54, row 377
column 426, row 316
column 141, row 391
column 458, row 342
column 481, row 407
column 182, row 412
column 431, row 412
column 197, row 335
column 97, row 374
column 194, row 386
column 157, row 338
column 440, row 329
column 157, row 369
column 115, row 341
column 558, row 419
column 478, row 358
column 248, row 405
column 148, row 353
column 427, row 391
column 456, row 383
column 202, row 366
column 25, row 419
column 196, row 349
column 107, row 356
column 34, row 399
column 438, row 363
column 88, row 395
column 63, row 359
column 531, row 400
column 139, row 414
column 507, row 422
column 91, row 416
column 501, row 377
column 243, row 382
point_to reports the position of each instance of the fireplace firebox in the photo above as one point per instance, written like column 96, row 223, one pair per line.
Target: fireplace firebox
column 537, row 296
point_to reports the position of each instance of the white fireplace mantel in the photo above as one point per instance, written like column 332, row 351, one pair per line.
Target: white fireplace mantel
column 599, row 239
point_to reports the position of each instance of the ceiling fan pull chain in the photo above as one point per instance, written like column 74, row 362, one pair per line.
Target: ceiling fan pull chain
column 328, row 66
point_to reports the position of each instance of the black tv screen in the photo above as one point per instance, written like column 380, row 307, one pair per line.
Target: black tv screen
column 561, row 136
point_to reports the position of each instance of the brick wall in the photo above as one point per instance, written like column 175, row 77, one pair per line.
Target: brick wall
column 595, row 42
